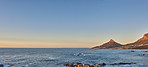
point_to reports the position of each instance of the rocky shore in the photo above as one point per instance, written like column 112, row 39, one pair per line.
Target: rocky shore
column 76, row 64
column 6, row 65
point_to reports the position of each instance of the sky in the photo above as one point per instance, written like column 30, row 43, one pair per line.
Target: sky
column 71, row 23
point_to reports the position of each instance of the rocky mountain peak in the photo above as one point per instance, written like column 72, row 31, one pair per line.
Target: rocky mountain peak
column 141, row 43
column 145, row 36
column 110, row 44
column 143, row 40
column 111, row 40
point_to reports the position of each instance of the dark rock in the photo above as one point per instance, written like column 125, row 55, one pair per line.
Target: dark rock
column 76, row 64
column 102, row 64
column 92, row 66
column 132, row 51
column 145, row 51
column 127, row 63
column 86, row 65
column 1, row 65
column 80, row 54
column 95, row 65
column 145, row 54
column 122, row 63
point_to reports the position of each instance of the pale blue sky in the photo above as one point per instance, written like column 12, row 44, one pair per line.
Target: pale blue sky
column 83, row 22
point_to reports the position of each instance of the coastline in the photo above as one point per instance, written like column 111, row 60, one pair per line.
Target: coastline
column 61, row 56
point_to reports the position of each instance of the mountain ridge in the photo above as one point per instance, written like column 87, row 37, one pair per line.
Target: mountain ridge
column 114, row 45
column 110, row 44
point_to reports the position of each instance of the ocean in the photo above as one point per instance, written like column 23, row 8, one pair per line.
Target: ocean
column 56, row 57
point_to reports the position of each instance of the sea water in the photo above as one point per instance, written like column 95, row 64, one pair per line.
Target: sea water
column 56, row 57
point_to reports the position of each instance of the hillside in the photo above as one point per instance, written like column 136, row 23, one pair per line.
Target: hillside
column 141, row 43
column 108, row 45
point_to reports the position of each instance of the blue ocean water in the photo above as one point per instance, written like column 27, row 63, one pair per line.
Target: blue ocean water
column 56, row 57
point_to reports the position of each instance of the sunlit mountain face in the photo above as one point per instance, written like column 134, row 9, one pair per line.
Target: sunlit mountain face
column 142, row 43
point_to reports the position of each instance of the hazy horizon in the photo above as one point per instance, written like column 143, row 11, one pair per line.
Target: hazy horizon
column 71, row 23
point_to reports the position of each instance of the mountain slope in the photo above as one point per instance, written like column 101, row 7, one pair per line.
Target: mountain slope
column 108, row 45
column 143, row 40
column 139, row 43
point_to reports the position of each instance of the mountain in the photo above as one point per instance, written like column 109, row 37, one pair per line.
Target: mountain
column 139, row 43
column 143, row 40
column 108, row 45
